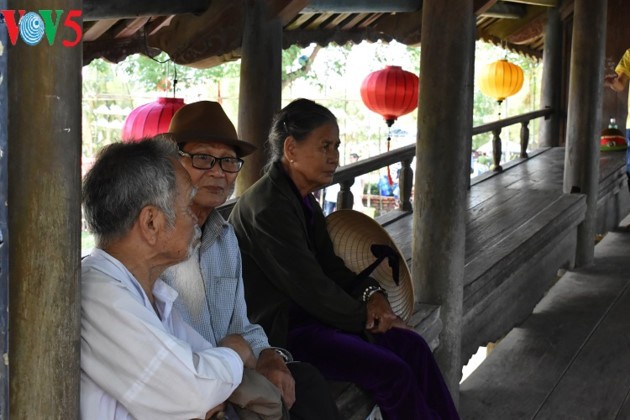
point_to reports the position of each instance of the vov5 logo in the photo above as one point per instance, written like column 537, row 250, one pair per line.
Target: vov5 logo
column 32, row 26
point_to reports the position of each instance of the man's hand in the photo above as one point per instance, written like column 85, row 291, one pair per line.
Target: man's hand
column 216, row 413
column 242, row 347
column 380, row 317
column 271, row 366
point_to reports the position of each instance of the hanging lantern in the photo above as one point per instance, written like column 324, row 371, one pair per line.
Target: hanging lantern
column 391, row 93
column 500, row 79
column 150, row 119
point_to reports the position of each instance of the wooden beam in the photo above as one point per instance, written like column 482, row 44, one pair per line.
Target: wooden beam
column 546, row 3
column 190, row 39
column 481, row 6
column 506, row 11
column 362, row 6
column 118, row 9
column 118, row 51
column 404, row 27
column 504, row 28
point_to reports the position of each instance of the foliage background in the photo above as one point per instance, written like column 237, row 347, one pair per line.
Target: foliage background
column 331, row 76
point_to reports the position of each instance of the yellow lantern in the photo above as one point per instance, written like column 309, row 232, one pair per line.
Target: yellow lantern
column 501, row 79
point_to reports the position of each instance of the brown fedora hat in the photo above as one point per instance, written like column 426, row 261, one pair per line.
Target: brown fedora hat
column 353, row 235
column 206, row 122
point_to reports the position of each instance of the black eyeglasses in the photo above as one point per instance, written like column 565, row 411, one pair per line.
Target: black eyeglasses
column 202, row 161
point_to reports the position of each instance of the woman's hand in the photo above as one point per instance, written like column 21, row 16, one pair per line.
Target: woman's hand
column 380, row 317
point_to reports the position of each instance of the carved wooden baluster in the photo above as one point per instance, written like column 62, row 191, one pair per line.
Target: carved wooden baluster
column 345, row 199
column 405, row 183
column 496, row 150
column 524, row 139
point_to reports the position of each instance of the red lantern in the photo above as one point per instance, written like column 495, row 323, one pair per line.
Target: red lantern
column 150, row 119
column 390, row 92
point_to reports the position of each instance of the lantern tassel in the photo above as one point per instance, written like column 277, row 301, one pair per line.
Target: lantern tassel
column 389, row 175
column 389, row 122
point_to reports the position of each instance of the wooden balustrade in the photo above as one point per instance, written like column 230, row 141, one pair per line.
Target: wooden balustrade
column 346, row 175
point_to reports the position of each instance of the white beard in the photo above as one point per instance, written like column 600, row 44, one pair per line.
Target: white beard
column 186, row 278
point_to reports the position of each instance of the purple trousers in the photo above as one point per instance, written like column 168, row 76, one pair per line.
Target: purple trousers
column 397, row 370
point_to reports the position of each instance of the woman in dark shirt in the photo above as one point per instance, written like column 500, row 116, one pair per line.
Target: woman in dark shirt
column 305, row 297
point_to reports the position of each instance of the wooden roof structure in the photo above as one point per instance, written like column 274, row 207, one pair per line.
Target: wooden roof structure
column 202, row 33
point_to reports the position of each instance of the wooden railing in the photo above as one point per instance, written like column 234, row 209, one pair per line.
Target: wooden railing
column 346, row 175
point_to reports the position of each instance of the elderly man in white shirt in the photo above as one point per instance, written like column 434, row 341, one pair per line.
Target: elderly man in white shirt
column 139, row 359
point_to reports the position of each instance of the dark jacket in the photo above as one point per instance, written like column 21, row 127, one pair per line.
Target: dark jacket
column 284, row 264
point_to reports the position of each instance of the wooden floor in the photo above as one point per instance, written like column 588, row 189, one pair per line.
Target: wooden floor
column 571, row 358
column 520, row 229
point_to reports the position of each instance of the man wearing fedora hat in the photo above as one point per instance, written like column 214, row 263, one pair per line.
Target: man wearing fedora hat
column 210, row 283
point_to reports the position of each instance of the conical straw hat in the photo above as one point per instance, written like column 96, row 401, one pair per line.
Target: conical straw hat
column 353, row 234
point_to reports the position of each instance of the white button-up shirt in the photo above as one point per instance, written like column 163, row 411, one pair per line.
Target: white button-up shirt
column 135, row 364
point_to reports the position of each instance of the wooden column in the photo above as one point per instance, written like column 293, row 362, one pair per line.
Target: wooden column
column 581, row 171
column 551, row 79
column 442, row 171
column 261, row 86
column 4, row 227
column 44, row 221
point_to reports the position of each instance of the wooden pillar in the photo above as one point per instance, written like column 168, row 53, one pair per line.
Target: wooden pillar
column 551, row 79
column 442, row 171
column 261, row 86
column 44, row 221
column 581, row 162
column 4, row 227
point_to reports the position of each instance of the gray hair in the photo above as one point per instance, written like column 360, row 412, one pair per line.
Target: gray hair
column 298, row 119
column 125, row 178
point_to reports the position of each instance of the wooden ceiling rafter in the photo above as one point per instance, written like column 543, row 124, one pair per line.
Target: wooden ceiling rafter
column 370, row 20
column 214, row 36
column 517, row 49
column 97, row 28
column 354, row 22
column 504, row 28
column 300, row 21
column 545, row 3
column 131, row 27
column 317, row 21
column 404, row 27
column 337, row 20
column 158, row 23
